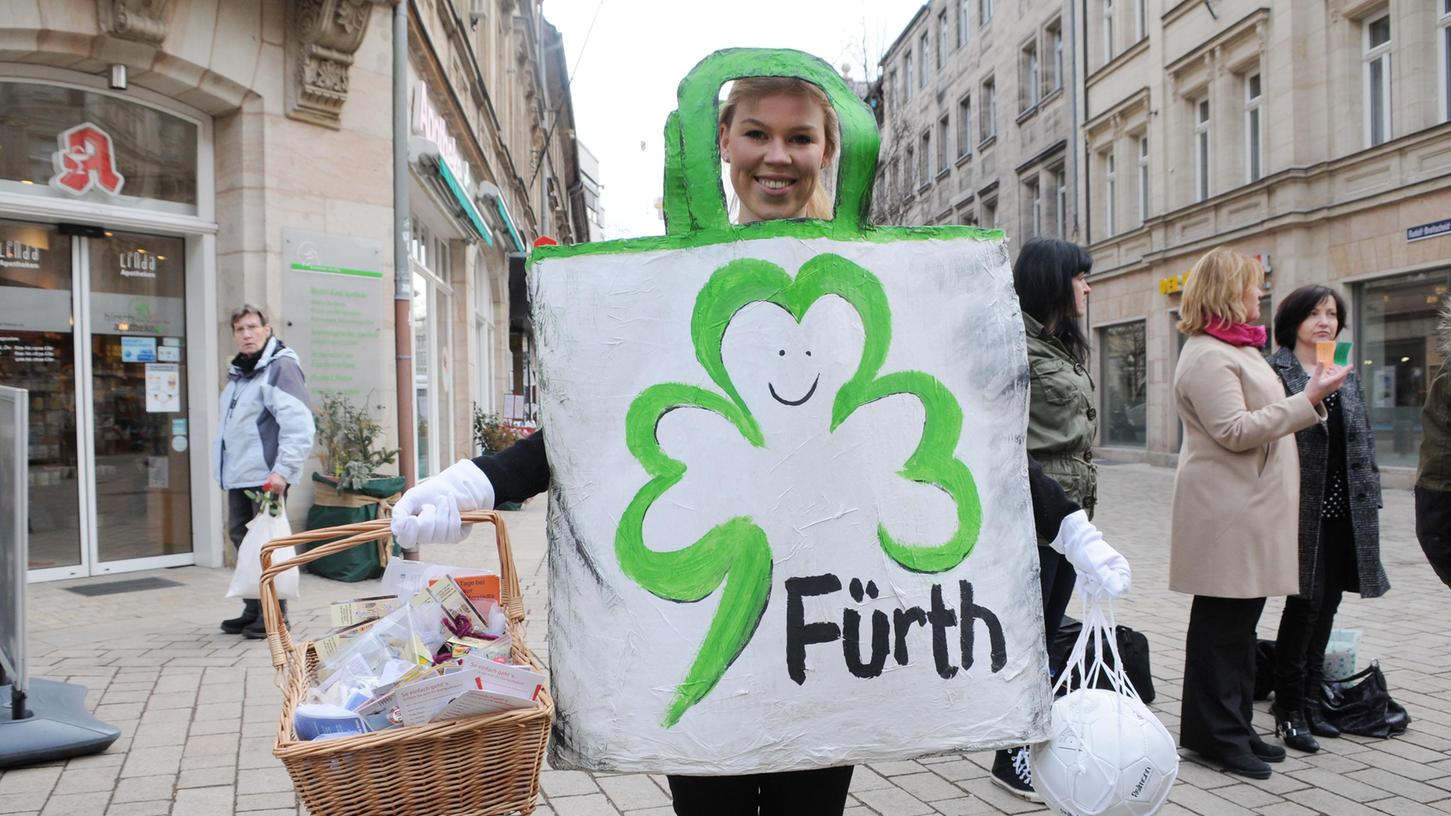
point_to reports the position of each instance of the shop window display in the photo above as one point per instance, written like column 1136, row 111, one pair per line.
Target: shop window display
column 1396, row 354
column 1125, row 385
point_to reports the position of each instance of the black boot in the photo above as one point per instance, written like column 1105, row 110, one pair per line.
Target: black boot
column 258, row 629
column 1290, row 726
column 251, row 612
column 1314, row 714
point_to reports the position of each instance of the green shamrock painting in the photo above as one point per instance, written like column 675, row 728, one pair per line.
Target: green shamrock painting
column 737, row 554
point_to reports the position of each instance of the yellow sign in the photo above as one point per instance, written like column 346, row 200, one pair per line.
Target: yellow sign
column 1173, row 283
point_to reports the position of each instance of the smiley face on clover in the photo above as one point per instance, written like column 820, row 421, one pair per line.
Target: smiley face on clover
column 737, row 553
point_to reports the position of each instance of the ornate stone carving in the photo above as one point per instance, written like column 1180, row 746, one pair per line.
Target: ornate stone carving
column 141, row 20
column 322, row 36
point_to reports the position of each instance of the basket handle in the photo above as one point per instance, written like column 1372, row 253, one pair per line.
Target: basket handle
column 279, row 640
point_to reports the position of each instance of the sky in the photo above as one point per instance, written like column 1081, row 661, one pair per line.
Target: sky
column 626, row 72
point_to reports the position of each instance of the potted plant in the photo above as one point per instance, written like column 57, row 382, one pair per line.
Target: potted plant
column 348, row 486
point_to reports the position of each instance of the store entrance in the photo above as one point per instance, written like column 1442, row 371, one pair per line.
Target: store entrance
column 94, row 329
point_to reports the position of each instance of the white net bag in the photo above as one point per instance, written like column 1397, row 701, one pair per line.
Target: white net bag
column 1106, row 753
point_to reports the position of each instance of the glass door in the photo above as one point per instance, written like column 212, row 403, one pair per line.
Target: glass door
column 38, row 353
column 94, row 329
column 138, row 369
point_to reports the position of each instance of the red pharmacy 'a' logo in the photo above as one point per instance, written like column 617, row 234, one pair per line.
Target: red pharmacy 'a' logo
column 85, row 160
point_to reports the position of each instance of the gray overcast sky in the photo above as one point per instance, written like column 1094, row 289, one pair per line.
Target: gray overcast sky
column 641, row 49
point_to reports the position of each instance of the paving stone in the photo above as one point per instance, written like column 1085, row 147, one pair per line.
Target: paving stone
column 87, row 780
column 145, row 788
column 207, row 777
column 890, row 769
column 76, row 804
column 633, row 792
column 29, row 780
column 894, row 801
column 265, row 801
column 155, row 808
column 165, row 759
column 592, row 804
column 203, row 802
column 567, row 783
column 927, row 786
column 1398, row 785
column 263, row 780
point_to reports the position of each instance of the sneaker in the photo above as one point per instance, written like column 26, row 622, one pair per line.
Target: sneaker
column 1011, row 773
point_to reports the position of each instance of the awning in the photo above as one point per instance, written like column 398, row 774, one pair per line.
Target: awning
column 469, row 212
column 490, row 194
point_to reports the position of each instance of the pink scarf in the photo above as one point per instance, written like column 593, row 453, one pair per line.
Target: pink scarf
column 1237, row 334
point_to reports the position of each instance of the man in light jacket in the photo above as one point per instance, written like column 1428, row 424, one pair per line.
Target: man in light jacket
column 266, row 433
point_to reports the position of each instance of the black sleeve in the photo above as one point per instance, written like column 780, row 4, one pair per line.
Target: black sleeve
column 518, row 473
column 1050, row 504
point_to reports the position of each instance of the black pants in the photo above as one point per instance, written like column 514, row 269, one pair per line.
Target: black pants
column 1219, row 676
column 1058, row 579
column 241, row 510
column 819, row 792
column 1306, row 622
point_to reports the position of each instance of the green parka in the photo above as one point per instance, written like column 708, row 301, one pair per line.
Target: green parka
column 1062, row 419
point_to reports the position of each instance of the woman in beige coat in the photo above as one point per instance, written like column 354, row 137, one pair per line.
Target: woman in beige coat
column 1235, row 535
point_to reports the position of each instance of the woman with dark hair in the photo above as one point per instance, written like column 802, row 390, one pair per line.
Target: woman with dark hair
column 1051, row 278
column 1339, row 515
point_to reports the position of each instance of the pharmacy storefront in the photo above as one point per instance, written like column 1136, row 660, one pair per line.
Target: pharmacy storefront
column 105, row 240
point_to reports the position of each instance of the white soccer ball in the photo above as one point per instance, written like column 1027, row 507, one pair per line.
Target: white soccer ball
column 1106, row 755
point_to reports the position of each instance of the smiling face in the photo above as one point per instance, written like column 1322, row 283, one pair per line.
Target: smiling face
column 789, row 371
column 776, row 147
column 1320, row 326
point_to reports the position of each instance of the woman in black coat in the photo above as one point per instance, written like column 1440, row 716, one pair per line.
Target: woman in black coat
column 1339, row 516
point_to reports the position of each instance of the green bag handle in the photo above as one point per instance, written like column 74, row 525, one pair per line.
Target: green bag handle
column 694, row 199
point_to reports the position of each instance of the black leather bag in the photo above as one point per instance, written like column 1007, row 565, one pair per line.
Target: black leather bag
column 1133, row 647
column 1361, row 704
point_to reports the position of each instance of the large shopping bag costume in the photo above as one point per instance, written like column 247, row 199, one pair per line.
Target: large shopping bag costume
column 789, row 523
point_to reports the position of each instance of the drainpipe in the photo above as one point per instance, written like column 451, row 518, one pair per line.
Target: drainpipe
column 402, row 272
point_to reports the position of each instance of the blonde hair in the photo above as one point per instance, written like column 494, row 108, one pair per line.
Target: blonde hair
column 820, row 204
column 1215, row 289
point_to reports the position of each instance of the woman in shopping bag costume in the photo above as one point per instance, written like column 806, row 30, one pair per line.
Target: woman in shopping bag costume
column 777, row 134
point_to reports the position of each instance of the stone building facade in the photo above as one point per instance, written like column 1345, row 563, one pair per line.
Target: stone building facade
column 977, row 117
column 163, row 161
column 1312, row 135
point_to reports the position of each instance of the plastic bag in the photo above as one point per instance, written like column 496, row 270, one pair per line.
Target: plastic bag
column 1106, row 753
column 264, row 527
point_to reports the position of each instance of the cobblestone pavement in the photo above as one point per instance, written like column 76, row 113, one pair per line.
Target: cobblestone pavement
column 198, row 709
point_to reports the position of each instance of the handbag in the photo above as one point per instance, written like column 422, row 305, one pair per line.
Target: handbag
column 1132, row 645
column 264, row 527
column 1361, row 704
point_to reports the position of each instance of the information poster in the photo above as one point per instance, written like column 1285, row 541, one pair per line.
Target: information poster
column 336, row 301
column 163, row 388
column 138, row 349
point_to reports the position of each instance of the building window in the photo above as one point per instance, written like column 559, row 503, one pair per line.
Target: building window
column 943, row 130
column 912, row 180
column 1110, row 193
column 989, row 213
column 907, row 75
column 1032, row 206
column 1125, row 385
column 924, row 159
column 1443, row 39
column 964, row 25
column 984, row 11
column 486, row 337
column 1397, row 355
column 1055, row 55
column 1143, row 179
column 1201, row 149
column 942, row 39
column 893, row 89
column 924, row 50
column 964, row 126
column 1253, row 139
column 1029, row 76
column 1141, row 19
column 1378, row 80
column 1060, row 202
column 1107, row 31
column 989, row 103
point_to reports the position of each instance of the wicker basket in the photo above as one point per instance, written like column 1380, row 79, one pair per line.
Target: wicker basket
column 478, row 766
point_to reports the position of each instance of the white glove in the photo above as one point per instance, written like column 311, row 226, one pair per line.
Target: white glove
column 1102, row 571
column 429, row 512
